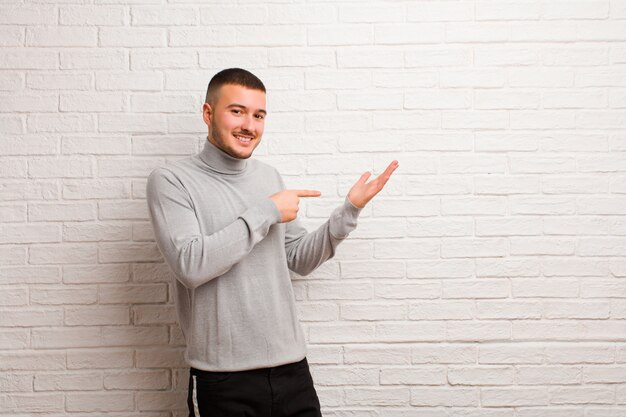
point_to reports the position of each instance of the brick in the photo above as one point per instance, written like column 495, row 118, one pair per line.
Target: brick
column 339, row 376
column 413, row 376
column 582, row 395
column 132, row 37
column 160, row 358
column 443, row 353
column 133, row 336
column 99, row 358
column 72, row 167
column 410, row 332
column 13, row 213
column 13, row 168
column 367, row 13
column 92, row 102
column 31, row 318
column 14, row 340
column 12, row 255
column 537, row 246
column 56, row 81
column 95, row 189
column 496, row 55
column 375, row 57
column 508, row 310
column 466, row 331
column 133, row 81
column 267, row 35
column 95, row 58
column 127, row 167
column 16, row 383
column 297, row 14
column 431, row 185
column 477, row 119
column 61, row 337
column 575, row 226
column 27, row 15
column 577, row 352
column 43, row 102
column 517, row 353
column 371, row 312
column 461, row 310
column 536, row 287
column 406, row 249
column 24, row 233
column 68, row 381
column 91, row 15
column 99, row 401
column 36, row 403
column 481, row 375
column 63, row 296
column 444, row 396
column 62, row 254
column 11, row 36
column 14, row 296
column 162, row 146
column 549, row 375
column 494, row 100
column 96, row 274
column 343, row 290
column 508, row 10
column 12, row 124
column 128, row 252
column 123, row 123
column 474, row 248
column 576, row 310
column 86, row 232
column 11, row 81
column 105, row 145
column 137, row 380
column 96, row 315
column 133, row 294
column 447, row 268
column 351, row 34
column 341, row 333
column 408, row 291
column 436, row 12
column 60, row 212
column 61, row 123
column 376, row 396
column 160, row 400
column 158, row 16
column 508, row 397
column 438, row 228
column 580, row 9
column 61, row 36
column 154, row 314
column 560, row 330
column 477, row 32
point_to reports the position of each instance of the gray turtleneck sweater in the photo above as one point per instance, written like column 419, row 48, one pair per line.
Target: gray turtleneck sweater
column 221, row 235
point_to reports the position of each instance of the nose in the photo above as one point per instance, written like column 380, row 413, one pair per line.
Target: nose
column 248, row 123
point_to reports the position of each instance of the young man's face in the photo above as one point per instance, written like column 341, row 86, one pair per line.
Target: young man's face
column 236, row 120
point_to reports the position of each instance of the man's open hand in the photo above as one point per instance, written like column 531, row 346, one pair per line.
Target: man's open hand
column 361, row 193
column 287, row 202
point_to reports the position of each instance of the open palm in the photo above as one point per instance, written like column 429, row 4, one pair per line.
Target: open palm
column 362, row 191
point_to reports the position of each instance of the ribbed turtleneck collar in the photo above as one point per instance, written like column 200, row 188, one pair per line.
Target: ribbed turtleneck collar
column 220, row 161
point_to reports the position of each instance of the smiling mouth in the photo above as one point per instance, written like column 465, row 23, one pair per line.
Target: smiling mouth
column 243, row 139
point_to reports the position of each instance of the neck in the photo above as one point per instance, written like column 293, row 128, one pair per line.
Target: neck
column 220, row 161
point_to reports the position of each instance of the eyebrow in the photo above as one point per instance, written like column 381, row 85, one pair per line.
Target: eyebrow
column 244, row 107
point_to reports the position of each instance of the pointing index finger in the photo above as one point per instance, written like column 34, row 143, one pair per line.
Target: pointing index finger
column 308, row 193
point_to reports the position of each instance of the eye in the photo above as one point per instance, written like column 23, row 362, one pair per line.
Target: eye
column 236, row 111
column 260, row 116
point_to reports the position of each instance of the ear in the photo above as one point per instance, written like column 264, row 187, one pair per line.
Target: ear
column 207, row 113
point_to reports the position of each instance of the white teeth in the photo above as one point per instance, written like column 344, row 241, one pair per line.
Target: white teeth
column 243, row 138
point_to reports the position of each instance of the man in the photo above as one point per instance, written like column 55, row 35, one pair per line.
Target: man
column 227, row 227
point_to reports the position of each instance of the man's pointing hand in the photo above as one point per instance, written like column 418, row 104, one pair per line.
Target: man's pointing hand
column 287, row 202
column 361, row 193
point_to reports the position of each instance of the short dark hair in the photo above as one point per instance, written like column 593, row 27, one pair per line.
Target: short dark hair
column 236, row 76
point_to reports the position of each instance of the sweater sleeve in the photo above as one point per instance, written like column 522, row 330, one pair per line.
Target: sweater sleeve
column 194, row 257
column 306, row 251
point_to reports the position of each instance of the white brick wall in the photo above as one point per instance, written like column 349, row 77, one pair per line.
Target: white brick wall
column 487, row 279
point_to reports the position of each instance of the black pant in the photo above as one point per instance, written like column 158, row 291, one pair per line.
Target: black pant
column 281, row 391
